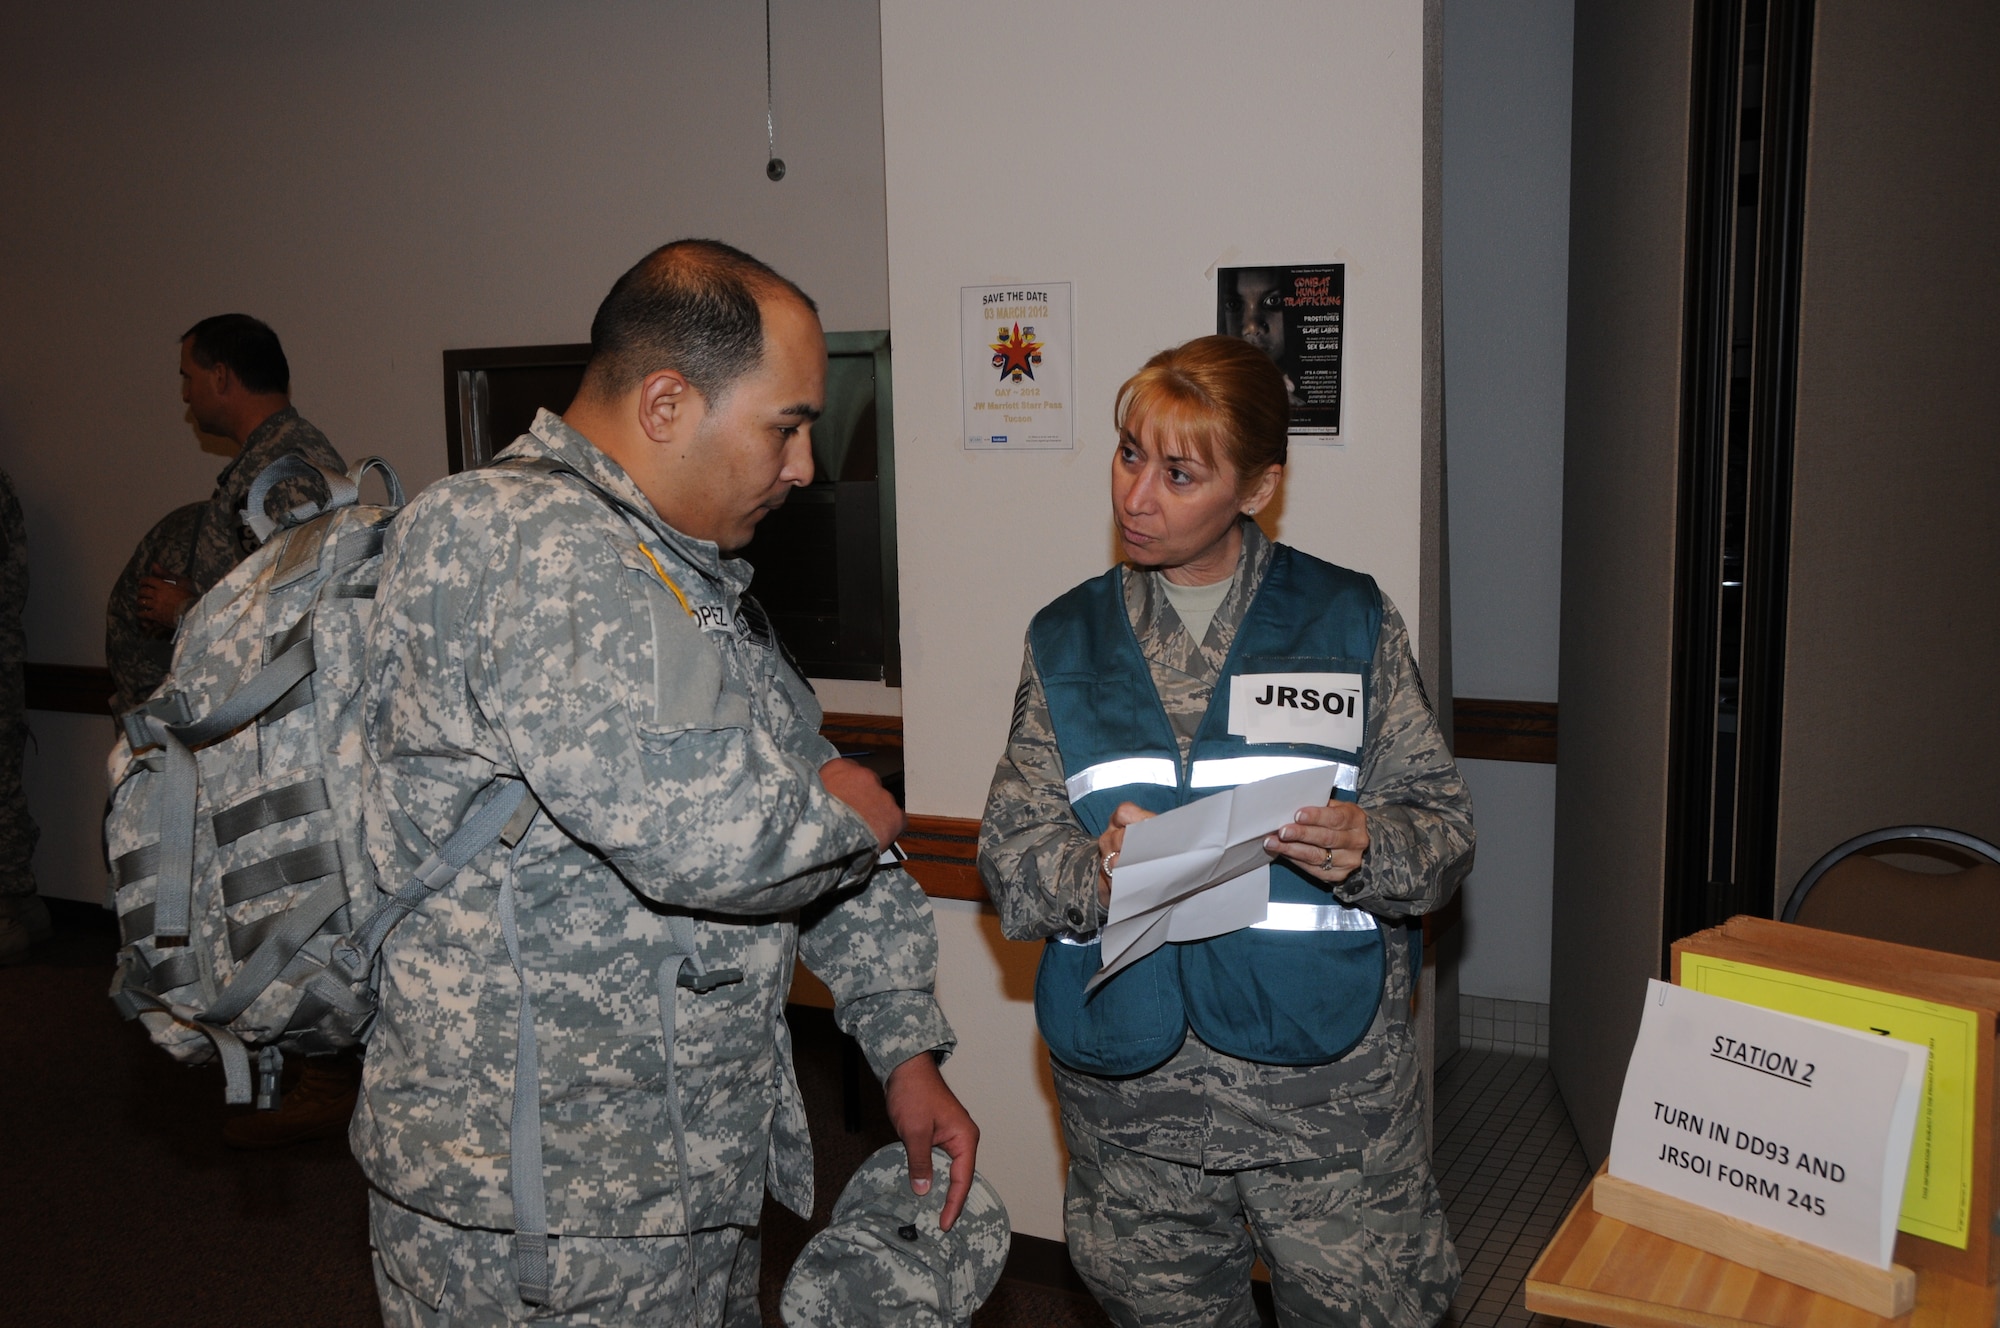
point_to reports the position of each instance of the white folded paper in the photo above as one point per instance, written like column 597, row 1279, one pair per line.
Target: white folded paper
column 1200, row 870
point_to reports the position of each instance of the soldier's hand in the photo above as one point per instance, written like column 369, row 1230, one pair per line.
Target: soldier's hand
column 1327, row 843
column 1112, row 840
column 856, row 785
column 163, row 597
column 927, row 1113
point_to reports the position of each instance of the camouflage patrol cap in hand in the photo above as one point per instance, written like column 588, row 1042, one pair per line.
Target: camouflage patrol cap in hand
column 883, row 1261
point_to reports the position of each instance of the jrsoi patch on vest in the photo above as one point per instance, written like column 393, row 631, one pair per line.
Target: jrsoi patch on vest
column 1319, row 708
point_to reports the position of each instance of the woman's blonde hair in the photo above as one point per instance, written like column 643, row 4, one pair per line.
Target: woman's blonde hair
column 1221, row 397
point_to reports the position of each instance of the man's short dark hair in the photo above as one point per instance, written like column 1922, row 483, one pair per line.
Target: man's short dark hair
column 690, row 306
column 248, row 346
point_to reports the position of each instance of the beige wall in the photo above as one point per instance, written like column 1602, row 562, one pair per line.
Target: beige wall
column 1127, row 148
column 379, row 181
column 1130, row 148
column 1628, row 172
column 1894, row 617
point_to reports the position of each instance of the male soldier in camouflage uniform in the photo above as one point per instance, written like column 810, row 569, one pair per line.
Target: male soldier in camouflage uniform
column 1330, row 1160
column 24, row 918
column 139, row 651
column 588, row 633
column 237, row 385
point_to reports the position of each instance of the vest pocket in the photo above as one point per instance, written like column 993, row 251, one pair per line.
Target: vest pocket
column 1129, row 1025
column 1283, row 998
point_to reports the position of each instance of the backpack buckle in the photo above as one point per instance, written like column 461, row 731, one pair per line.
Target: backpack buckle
column 705, row 982
column 348, row 960
column 270, row 1064
column 169, row 708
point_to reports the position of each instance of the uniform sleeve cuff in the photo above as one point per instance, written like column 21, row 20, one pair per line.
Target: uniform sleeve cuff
column 893, row 1026
column 1080, row 914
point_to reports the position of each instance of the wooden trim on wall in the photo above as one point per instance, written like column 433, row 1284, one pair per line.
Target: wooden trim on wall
column 1505, row 730
column 1487, row 730
column 851, row 732
column 74, row 689
column 944, row 856
column 943, row 851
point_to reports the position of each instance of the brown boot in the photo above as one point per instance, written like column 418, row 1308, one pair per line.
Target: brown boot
column 318, row 1106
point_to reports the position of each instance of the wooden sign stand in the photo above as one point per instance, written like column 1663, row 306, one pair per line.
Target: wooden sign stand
column 1597, row 1269
column 1948, row 979
column 1889, row 1292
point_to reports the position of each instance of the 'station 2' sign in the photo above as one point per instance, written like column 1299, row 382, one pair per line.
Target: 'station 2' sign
column 1788, row 1123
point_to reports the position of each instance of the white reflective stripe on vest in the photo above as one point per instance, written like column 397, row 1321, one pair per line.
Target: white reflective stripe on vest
column 1281, row 917
column 1231, row 771
column 1126, row 770
column 1315, row 917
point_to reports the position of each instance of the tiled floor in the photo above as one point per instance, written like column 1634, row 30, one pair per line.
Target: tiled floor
column 1509, row 1166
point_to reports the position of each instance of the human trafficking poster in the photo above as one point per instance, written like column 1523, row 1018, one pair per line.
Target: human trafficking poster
column 1294, row 315
column 1017, row 366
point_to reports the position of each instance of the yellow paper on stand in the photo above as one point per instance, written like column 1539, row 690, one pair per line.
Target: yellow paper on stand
column 1937, row 1199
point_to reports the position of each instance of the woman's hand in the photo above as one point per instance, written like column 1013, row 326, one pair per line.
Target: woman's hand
column 1113, row 839
column 1326, row 843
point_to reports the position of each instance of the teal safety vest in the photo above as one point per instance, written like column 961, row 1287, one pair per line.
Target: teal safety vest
column 1303, row 987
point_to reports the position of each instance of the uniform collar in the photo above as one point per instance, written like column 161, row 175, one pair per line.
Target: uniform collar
column 549, row 436
column 1146, row 605
column 250, row 453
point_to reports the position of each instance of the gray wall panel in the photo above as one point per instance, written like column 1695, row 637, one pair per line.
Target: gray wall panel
column 1506, row 295
column 1894, row 624
column 1627, row 228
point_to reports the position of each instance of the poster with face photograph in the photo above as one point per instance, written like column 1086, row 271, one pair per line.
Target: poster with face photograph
column 1292, row 314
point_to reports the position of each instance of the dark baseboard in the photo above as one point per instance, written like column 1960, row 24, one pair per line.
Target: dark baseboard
column 1504, row 730
column 75, row 915
column 1044, row 1263
column 75, row 689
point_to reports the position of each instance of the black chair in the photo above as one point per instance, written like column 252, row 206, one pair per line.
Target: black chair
column 1954, row 908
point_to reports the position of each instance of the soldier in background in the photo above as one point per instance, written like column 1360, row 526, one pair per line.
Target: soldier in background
column 24, row 918
column 237, row 385
column 138, row 650
column 571, row 617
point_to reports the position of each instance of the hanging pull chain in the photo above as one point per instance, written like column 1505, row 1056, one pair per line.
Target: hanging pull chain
column 775, row 167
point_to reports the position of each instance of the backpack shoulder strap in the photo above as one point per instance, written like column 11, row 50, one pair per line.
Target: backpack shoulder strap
column 341, row 492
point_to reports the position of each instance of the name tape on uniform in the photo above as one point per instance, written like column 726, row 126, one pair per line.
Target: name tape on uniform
column 739, row 625
column 1794, row 1125
column 1319, row 708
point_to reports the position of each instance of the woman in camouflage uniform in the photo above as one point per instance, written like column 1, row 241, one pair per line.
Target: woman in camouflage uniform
column 1256, row 1092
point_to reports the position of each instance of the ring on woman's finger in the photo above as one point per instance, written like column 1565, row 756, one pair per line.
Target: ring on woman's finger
column 1328, row 864
column 1105, row 860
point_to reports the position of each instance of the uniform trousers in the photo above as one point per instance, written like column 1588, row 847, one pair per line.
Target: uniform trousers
column 431, row 1274
column 1164, row 1243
